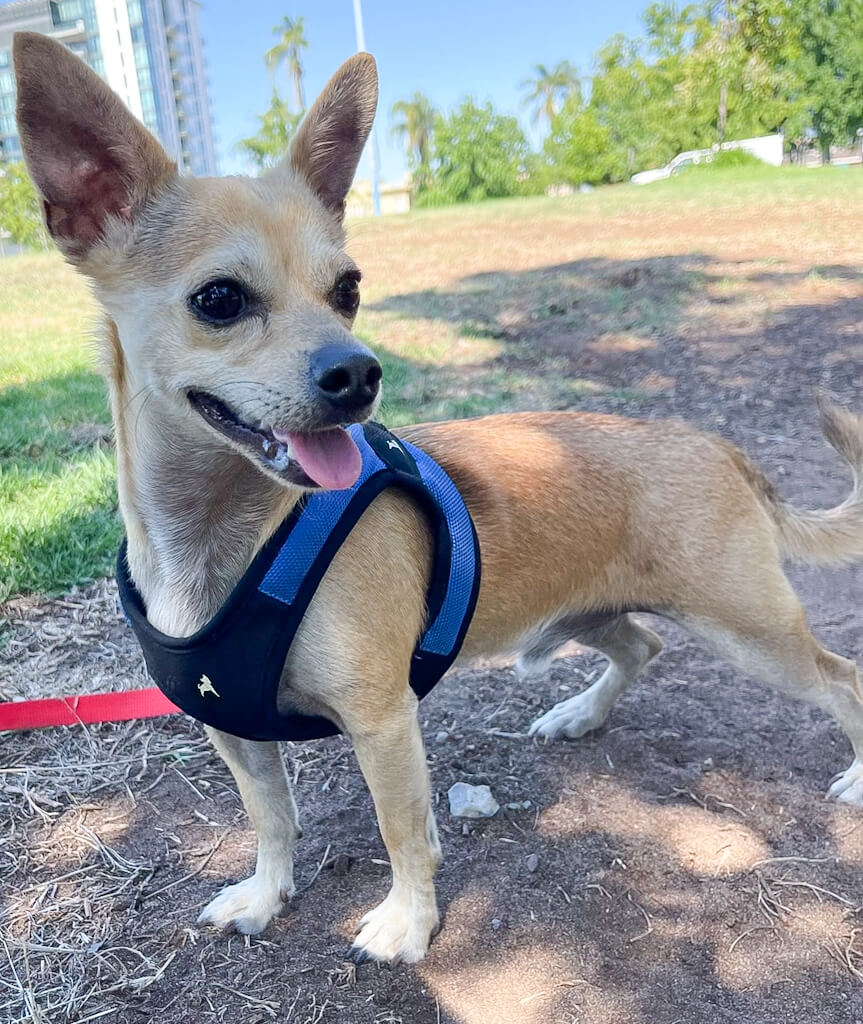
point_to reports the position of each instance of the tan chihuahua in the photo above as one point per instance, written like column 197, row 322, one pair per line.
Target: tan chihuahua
column 219, row 295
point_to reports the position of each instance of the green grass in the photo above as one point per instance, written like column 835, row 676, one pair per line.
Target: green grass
column 707, row 186
column 408, row 397
column 58, row 522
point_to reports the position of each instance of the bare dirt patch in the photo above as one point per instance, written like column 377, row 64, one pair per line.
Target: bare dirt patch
column 680, row 867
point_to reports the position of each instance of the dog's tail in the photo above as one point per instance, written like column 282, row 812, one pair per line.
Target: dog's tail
column 834, row 535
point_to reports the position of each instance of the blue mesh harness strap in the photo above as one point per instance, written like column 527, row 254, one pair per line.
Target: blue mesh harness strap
column 227, row 674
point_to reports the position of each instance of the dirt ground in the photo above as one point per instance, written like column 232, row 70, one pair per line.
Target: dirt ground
column 681, row 866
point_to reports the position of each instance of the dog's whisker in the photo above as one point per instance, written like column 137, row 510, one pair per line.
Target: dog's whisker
column 136, row 395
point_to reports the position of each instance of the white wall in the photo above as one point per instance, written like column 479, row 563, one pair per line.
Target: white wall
column 766, row 147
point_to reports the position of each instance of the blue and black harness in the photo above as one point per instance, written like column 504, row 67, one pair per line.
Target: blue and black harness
column 227, row 674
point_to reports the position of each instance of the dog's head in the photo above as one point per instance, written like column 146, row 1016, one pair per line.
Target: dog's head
column 233, row 298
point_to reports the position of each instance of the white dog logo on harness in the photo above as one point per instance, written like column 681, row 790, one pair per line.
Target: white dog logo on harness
column 205, row 686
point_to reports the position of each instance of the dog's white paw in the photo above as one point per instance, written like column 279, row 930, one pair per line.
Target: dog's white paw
column 247, row 907
column 847, row 787
column 571, row 718
column 397, row 930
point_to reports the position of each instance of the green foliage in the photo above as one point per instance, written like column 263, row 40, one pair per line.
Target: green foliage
column 20, row 208
column 277, row 126
column 475, row 154
column 727, row 159
column 711, row 71
column 735, row 81
column 829, row 66
column 548, row 90
column 637, row 102
column 271, row 141
column 580, row 149
column 58, row 503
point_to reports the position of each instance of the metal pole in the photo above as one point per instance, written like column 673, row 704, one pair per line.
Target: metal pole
column 376, row 184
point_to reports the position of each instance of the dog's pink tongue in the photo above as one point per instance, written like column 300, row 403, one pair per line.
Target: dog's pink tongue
column 329, row 457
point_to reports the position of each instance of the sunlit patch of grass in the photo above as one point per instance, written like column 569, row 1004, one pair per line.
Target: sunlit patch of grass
column 58, row 522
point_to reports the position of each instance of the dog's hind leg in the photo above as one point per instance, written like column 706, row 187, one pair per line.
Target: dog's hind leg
column 392, row 758
column 627, row 644
column 249, row 906
column 762, row 629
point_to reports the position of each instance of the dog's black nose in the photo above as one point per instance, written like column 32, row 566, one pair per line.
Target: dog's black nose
column 348, row 376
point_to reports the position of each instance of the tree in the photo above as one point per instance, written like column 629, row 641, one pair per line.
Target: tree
column 634, row 101
column 548, row 90
column 830, row 67
column 706, row 72
column 270, row 143
column 579, row 148
column 736, row 79
column 702, row 73
column 291, row 42
column 475, row 154
column 634, row 118
column 413, row 122
column 20, row 207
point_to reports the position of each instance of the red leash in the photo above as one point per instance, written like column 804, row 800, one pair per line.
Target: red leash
column 84, row 710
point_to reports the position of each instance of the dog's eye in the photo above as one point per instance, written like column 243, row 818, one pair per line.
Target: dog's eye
column 219, row 301
column 346, row 293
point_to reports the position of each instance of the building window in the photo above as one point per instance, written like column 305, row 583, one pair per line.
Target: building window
column 67, row 10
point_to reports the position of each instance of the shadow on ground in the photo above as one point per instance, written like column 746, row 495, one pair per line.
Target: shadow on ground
column 674, row 335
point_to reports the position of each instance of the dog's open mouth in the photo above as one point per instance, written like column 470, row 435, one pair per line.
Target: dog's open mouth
column 323, row 458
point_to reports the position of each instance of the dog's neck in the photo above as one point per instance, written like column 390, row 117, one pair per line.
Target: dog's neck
column 195, row 512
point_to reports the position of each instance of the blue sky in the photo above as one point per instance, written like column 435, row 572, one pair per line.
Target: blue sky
column 446, row 49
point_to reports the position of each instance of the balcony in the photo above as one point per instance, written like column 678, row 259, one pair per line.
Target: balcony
column 70, row 31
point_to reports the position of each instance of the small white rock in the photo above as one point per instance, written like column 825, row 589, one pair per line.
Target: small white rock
column 471, row 801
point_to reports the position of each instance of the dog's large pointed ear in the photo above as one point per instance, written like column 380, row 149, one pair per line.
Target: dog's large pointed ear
column 329, row 142
column 88, row 156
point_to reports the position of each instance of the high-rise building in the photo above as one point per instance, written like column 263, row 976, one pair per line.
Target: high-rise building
column 148, row 51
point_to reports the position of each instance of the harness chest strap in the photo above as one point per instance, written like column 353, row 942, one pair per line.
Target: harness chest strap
column 227, row 674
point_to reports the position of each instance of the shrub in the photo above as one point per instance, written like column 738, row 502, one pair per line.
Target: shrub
column 20, row 208
column 476, row 154
column 727, row 158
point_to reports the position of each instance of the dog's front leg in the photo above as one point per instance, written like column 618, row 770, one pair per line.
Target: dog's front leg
column 259, row 770
column 392, row 759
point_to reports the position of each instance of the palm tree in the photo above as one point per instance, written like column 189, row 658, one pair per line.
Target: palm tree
column 548, row 89
column 413, row 121
column 291, row 41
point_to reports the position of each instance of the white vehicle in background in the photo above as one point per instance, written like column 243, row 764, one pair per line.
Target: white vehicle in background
column 690, row 158
column 768, row 148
